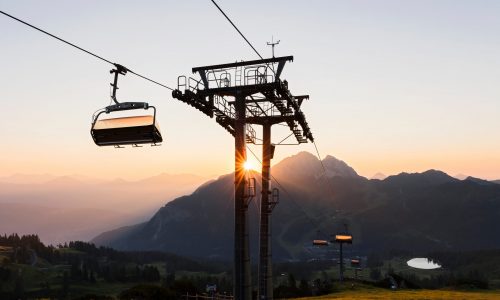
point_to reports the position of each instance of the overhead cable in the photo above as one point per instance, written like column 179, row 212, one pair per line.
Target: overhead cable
column 83, row 50
column 235, row 27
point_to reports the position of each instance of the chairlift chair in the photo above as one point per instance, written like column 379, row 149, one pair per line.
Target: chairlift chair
column 343, row 238
column 320, row 243
column 132, row 130
column 355, row 262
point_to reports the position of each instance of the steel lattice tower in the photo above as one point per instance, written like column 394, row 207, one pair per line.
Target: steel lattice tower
column 240, row 95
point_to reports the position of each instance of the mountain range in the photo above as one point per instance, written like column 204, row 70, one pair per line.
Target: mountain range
column 64, row 208
column 418, row 212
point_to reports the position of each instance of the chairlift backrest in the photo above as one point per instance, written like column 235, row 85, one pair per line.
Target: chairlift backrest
column 132, row 130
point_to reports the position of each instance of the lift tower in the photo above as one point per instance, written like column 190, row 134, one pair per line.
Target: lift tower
column 240, row 95
column 342, row 238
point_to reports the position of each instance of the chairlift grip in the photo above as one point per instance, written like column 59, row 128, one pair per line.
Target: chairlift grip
column 119, row 70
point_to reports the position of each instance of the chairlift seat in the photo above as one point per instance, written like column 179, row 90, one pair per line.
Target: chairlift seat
column 320, row 243
column 343, row 238
column 126, row 131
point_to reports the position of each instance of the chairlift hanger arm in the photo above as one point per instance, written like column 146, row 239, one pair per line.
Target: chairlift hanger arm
column 120, row 70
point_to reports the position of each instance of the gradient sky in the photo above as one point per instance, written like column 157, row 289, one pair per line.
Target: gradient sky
column 395, row 85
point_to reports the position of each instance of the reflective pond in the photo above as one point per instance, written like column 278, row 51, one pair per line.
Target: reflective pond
column 422, row 263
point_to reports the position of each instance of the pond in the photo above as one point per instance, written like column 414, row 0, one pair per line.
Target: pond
column 422, row 263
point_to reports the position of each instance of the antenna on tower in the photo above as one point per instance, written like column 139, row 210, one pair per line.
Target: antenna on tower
column 272, row 43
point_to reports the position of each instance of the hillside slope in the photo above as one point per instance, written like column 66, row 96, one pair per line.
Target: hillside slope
column 420, row 211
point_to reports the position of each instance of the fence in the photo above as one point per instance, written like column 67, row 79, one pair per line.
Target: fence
column 212, row 297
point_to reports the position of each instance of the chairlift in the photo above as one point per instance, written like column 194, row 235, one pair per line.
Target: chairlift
column 343, row 238
column 130, row 130
column 356, row 266
column 320, row 243
column 355, row 262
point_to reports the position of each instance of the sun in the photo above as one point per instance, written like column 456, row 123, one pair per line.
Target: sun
column 248, row 166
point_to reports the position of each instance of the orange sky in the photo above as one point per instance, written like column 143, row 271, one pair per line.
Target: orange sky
column 394, row 86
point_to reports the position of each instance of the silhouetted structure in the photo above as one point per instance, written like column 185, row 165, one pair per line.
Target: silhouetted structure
column 341, row 239
column 259, row 97
column 355, row 264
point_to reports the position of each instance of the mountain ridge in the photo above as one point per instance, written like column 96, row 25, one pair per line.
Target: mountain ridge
column 381, row 213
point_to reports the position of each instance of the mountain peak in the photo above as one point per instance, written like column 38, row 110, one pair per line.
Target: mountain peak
column 336, row 167
column 307, row 163
column 379, row 176
column 478, row 180
column 396, row 207
column 461, row 176
column 19, row 178
column 65, row 181
column 431, row 176
column 181, row 179
column 435, row 172
column 303, row 155
column 303, row 161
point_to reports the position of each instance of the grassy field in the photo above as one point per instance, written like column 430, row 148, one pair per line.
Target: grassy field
column 362, row 291
column 412, row 294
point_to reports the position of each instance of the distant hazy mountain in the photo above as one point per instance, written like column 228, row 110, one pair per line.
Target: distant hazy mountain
column 427, row 178
column 460, row 176
column 73, row 207
column 419, row 211
column 27, row 178
column 57, row 225
column 496, row 181
column 479, row 180
column 379, row 176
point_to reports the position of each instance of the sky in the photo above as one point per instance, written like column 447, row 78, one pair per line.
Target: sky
column 394, row 85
